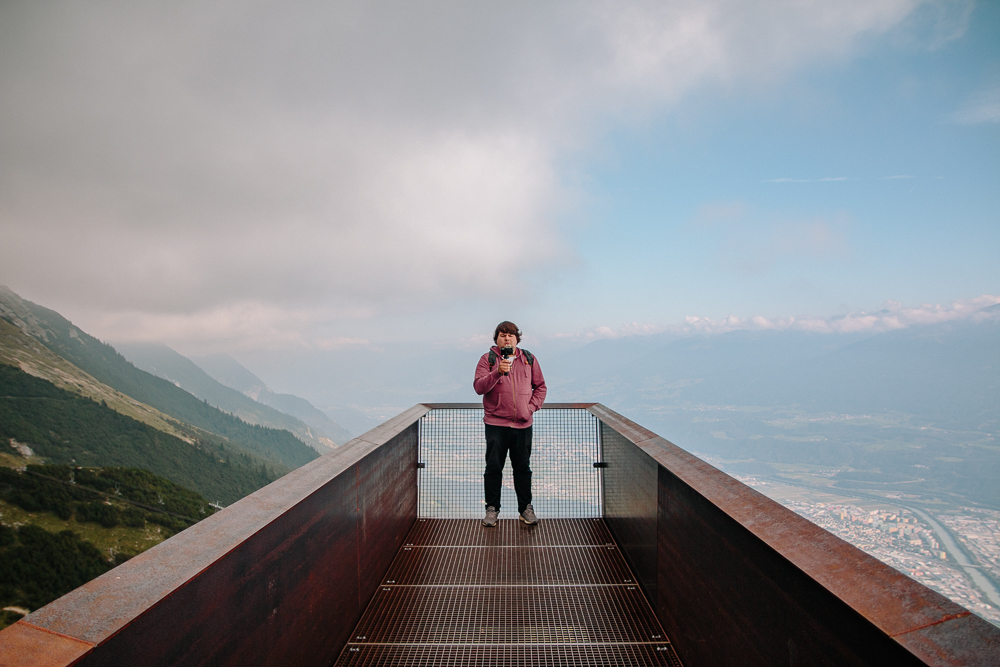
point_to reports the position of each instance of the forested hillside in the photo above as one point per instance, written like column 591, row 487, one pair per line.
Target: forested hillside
column 64, row 525
column 64, row 428
column 106, row 365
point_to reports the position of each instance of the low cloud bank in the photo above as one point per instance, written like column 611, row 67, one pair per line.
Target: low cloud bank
column 894, row 316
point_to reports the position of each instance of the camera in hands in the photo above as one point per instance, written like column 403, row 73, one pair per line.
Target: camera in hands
column 506, row 352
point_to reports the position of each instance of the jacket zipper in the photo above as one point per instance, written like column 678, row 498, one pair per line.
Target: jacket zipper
column 513, row 394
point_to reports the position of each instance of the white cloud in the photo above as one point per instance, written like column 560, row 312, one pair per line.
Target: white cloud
column 232, row 326
column 894, row 316
column 185, row 168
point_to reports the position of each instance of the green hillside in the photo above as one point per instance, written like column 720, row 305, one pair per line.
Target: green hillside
column 106, row 365
column 64, row 428
column 61, row 526
column 40, row 566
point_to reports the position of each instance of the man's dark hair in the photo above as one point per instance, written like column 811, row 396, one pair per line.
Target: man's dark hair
column 507, row 328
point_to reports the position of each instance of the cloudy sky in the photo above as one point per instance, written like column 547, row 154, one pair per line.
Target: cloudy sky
column 315, row 176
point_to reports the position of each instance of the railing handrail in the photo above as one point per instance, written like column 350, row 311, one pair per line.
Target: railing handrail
column 565, row 460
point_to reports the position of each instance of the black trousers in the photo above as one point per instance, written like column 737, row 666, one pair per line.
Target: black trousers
column 499, row 441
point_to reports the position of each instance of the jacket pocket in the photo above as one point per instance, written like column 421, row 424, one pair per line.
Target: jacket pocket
column 522, row 408
column 503, row 404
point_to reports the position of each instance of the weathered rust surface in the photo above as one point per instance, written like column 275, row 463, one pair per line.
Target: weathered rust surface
column 274, row 579
column 289, row 582
column 118, row 596
column 25, row 645
column 387, row 507
column 630, row 505
column 964, row 640
column 742, row 579
column 725, row 596
column 283, row 575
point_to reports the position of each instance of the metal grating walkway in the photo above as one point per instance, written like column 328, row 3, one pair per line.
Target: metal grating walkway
column 559, row 593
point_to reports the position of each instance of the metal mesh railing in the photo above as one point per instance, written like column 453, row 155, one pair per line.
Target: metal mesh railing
column 565, row 483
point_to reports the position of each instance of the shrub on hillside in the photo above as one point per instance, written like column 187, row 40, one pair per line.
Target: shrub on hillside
column 40, row 566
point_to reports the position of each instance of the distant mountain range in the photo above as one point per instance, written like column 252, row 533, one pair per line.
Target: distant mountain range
column 322, row 435
column 22, row 351
column 42, row 423
column 232, row 374
column 947, row 374
column 913, row 411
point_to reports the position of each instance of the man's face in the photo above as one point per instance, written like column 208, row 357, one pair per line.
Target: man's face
column 505, row 339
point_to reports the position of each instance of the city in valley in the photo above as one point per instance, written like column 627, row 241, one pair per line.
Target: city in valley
column 954, row 551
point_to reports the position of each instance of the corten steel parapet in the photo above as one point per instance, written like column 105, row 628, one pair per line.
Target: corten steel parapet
column 279, row 578
column 736, row 578
column 282, row 576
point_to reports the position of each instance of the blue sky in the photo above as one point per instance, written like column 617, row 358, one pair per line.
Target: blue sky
column 318, row 179
column 687, row 217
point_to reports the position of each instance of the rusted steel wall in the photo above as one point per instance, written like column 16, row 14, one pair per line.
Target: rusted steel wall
column 742, row 580
column 630, row 504
column 279, row 578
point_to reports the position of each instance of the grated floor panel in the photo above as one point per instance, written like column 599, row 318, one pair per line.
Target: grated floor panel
column 559, row 593
column 509, row 533
column 485, row 566
column 514, row 656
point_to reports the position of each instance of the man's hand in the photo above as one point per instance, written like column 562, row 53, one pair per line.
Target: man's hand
column 504, row 366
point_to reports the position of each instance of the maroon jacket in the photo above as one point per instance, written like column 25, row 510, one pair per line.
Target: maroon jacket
column 510, row 400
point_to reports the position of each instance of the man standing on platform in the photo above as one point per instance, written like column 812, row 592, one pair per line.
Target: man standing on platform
column 511, row 384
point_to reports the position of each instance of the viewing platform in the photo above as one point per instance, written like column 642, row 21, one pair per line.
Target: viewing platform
column 559, row 593
column 374, row 555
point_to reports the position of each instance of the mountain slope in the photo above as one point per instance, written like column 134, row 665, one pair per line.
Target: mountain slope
column 164, row 362
column 22, row 351
column 232, row 374
column 105, row 364
column 65, row 428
